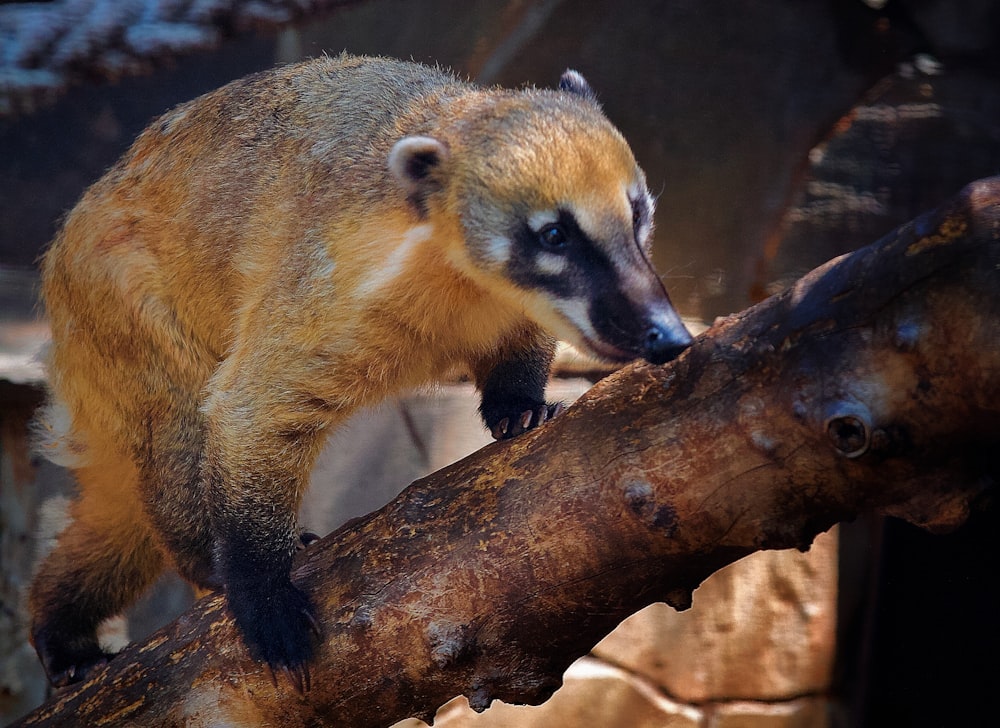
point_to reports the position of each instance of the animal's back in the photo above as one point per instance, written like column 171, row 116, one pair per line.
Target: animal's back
column 217, row 201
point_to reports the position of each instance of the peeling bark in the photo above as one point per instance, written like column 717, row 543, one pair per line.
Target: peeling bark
column 873, row 384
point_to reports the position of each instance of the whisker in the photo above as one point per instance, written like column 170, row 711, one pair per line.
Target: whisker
column 672, row 273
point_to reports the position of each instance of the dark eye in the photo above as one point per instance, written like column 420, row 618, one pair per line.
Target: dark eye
column 553, row 237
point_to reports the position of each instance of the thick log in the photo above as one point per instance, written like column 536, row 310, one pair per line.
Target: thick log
column 873, row 384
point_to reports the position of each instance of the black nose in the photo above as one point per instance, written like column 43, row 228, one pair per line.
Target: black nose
column 664, row 342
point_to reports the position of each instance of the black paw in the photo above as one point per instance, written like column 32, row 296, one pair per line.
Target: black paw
column 67, row 660
column 279, row 628
column 509, row 426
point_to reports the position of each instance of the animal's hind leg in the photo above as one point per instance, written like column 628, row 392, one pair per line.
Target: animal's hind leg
column 173, row 496
column 103, row 560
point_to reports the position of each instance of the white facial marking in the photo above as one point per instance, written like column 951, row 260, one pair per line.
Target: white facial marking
column 589, row 223
column 538, row 220
column 576, row 312
column 392, row 266
column 550, row 264
column 646, row 228
column 498, row 250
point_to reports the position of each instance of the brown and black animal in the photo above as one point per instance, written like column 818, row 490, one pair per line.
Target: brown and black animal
column 270, row 257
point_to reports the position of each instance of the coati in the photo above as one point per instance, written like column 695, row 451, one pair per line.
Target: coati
column 268, row 258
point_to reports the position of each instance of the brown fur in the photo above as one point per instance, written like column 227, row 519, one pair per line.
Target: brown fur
column 247, row 276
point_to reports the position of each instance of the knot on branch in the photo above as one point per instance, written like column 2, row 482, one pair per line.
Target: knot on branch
column 850, row 434
column 641, row 500
column 449, row 643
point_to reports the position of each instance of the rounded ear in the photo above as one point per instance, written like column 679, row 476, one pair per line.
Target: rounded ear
column 573, row 82
column 413, row 161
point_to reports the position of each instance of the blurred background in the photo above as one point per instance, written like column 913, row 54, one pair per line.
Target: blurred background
column 777, row 134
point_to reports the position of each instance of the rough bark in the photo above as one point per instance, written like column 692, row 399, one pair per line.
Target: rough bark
column 872, row 384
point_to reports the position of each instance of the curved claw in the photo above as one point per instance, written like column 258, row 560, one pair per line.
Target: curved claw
column 499, row 430
column 313, row 624
column 77, row 673
column 299, row 677
column 526, row 420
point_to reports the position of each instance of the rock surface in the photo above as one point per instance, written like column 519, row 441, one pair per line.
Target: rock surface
column 761, row 629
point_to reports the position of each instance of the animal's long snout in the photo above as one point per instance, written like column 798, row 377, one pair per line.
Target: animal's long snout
column 665, row 338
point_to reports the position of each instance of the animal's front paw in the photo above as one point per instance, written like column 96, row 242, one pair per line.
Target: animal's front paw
column 279, row 628
column 510, row 425
column 67, row 659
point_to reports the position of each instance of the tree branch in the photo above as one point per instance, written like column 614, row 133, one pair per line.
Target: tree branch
column 872, row 384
